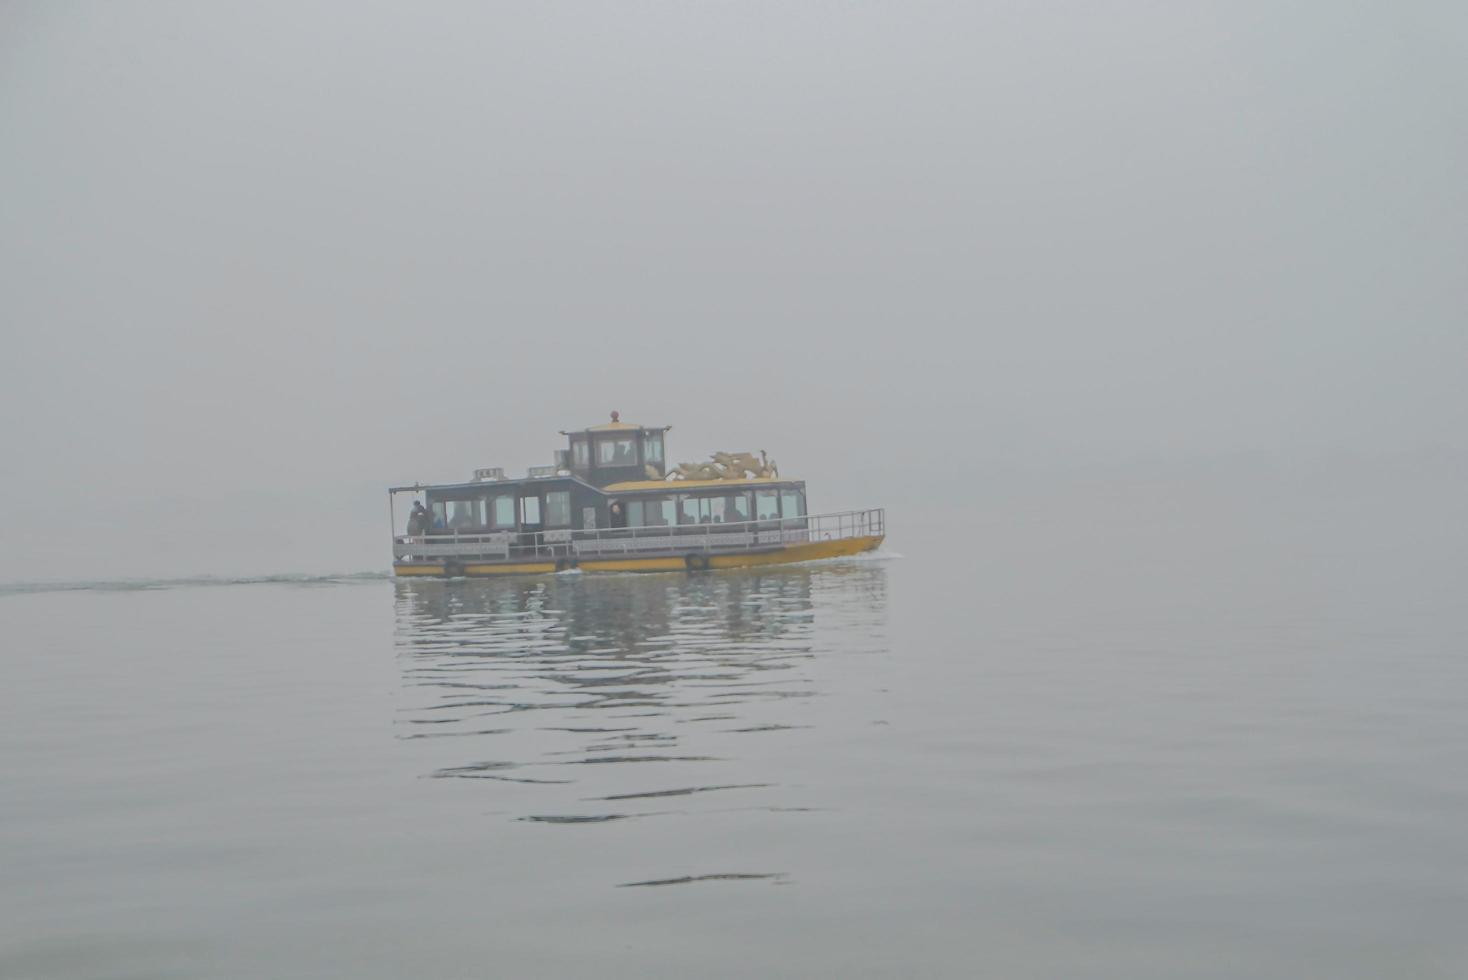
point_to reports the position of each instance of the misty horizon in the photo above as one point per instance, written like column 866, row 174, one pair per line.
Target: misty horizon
column 263, row 260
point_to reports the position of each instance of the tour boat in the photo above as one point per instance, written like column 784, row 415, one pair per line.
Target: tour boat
column 610, row 504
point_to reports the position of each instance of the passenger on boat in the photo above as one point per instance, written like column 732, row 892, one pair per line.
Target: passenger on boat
column 417, row 520
column 417, row 523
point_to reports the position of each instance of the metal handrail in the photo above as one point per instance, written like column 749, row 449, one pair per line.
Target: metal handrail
column 676, row 538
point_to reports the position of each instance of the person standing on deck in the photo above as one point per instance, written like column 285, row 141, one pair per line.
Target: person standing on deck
column 417, row 523
column 417, row 520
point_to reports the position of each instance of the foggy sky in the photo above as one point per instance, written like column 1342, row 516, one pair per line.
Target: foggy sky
column 260, row 261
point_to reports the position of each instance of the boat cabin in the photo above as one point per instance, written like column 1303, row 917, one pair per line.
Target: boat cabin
column 609, row 476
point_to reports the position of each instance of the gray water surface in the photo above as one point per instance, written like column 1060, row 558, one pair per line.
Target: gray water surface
column 920, row 766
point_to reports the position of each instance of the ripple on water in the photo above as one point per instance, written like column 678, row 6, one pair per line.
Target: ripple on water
column 646, row 687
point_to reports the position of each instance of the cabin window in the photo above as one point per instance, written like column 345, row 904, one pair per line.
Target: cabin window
column 529, row 510
column 651, row 512
column 660, row 511
column 466, row 514
column 767, row 505
column 616, row 452
column 704, row 510
column 688, row 510
column 440, row 516
column 738, row 509
column 502, row 510
column 652, row 447
column 792, row 503
column 558, row 509
column 580, row 453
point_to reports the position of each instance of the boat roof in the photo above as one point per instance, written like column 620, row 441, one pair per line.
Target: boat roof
column 616, row 425
column 673, row 486
column 628, row 486
column 489, row 485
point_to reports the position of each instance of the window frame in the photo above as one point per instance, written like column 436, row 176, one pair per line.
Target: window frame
column 708, row 503
column 683, row 500
column 563, row 495
column 476, row 513
column 649, row 441
column 606, row 450
column 743, row 495
column 662, row 501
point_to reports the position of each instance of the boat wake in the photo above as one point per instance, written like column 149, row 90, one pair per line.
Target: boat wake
column 881, row 554
column 155, row 584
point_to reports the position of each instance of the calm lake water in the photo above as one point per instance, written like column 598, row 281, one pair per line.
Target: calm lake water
column 1149, row 757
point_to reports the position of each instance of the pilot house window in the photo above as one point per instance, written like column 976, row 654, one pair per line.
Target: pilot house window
column 616, row 452
column 652, row 447
column 580, row 454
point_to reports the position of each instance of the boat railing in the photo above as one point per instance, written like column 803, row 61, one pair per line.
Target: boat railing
column 557, row 543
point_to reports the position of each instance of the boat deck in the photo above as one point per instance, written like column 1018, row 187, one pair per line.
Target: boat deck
column 651, row 548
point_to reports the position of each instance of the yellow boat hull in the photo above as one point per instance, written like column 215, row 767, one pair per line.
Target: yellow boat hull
column 812, row 551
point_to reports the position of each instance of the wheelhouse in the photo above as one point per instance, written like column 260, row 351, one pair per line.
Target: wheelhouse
column 615, row 452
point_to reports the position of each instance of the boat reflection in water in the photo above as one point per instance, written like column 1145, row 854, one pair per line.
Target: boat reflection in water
column 589, row 699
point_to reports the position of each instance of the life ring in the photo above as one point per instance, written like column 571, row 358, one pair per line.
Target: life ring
column 697, row 563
